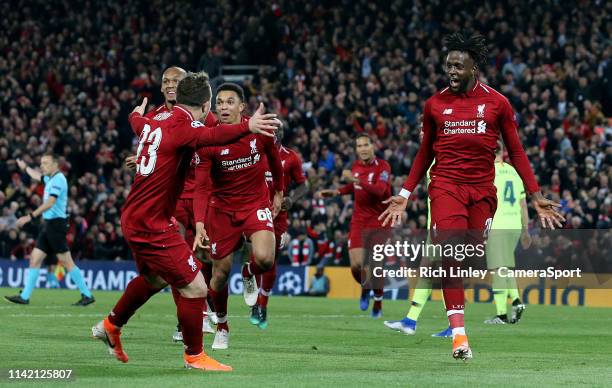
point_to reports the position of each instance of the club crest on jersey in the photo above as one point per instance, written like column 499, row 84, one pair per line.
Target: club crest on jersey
column 253, row 144
column 480, row 111
column 192, row 263
column 162, row 116
column 196, row 124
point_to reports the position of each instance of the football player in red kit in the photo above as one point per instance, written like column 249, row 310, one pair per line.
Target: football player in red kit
column 232, row 201
column 161, row 253
column 292, row 173
column 369, row 180
column 461, row 126
column 184, row 207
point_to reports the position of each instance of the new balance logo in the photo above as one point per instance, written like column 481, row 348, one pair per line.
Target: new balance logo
column 225, row 151
column 447, row 111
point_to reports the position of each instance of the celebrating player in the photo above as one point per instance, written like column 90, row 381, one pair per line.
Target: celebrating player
column 184, row 206
column 52, row 237
column 461, row 125
column 509, row 226
column 369, row 181
column 292, row 172
column 161, row 254
column 232, row 200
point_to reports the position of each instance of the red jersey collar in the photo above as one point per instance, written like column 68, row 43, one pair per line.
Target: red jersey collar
column 374, row 161
column 474, row 90
column 181, row 109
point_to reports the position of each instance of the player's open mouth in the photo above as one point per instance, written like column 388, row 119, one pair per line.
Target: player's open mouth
column 454, row 83
column 171, row 93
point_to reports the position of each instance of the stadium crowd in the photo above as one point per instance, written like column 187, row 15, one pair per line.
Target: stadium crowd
column 70, row 72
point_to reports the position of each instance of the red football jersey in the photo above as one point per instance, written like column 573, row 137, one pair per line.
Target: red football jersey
column 164, row 153
column 292, row 173
column 161, row 112
column 374, row 187
column 461, row 131
column 232, row 177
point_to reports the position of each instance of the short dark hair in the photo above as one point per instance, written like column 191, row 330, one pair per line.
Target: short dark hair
column 232, row 87
column 359, row 136
column 475, row 45
column 50, row 155
column 193, row 90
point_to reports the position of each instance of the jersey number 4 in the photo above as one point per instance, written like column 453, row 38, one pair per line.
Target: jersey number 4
column 145, row 162
column 509, row 193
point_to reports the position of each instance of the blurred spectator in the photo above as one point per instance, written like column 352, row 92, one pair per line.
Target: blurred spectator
column 319, row 283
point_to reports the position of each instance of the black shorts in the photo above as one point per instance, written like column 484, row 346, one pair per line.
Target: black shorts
column 52, row 236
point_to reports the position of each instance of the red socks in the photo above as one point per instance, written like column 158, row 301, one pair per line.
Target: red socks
column 190, row 317
column 251, row 269
column 135, row 295
column 220, row 301
column 356, row 272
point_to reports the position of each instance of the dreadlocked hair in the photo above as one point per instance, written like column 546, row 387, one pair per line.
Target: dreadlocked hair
column 475, row 45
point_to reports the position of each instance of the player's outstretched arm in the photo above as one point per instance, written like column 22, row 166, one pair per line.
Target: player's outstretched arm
column 394, row 212
column 34, row 174
column 327, row 193
column 548, row 211
column 136, row 119
column 263, row 123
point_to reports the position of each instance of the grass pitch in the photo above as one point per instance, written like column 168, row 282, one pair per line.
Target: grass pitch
column 310, row 342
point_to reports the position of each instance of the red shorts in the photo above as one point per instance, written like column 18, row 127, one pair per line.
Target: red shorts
column 456, row 207
column 184, row 215
column 281, row 223
column 372, row 233
column 226, row 228
column 164, row 254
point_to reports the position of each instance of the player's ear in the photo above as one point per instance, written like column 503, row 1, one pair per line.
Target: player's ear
column 241, row 106
column 205, row 109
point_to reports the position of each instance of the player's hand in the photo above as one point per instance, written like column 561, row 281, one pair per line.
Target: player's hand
column 548, row 212
column 277, row 203
column 140, row 109
column 22, row 165
column 287, row 204
column 348, row 176
column 263, row 123
column 327, row 193
column 393, row 214
column 130, row 163
column 21, row 221
column 285, row 237
column 525, row 239
column 201, row 238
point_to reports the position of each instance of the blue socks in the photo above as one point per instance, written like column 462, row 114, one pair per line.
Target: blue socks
column 77, row 278
column 30, row 283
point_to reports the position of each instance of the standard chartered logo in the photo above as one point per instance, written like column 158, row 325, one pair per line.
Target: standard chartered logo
column 464, row 127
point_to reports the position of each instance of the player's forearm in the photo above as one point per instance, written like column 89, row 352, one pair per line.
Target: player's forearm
column 346, row 189
column 137, row 122
column 421, row 164
column 43, row 208
column 519, row 158
column 223, row 134
column 524, row 215
column 377, row 189
column 34, row 174
column 299, row 192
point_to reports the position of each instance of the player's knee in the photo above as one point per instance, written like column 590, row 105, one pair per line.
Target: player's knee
column 264, row 259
